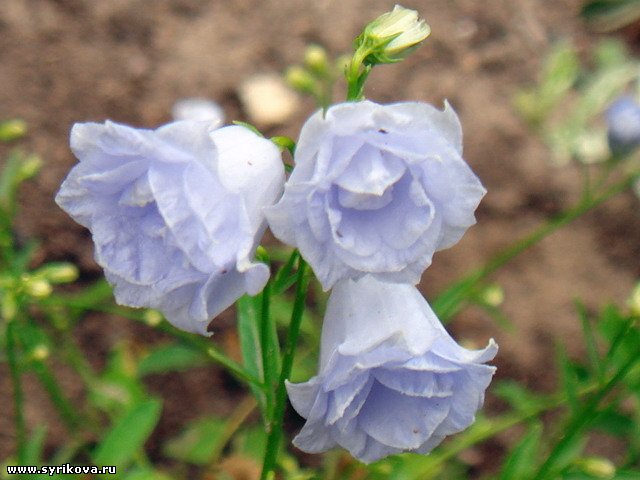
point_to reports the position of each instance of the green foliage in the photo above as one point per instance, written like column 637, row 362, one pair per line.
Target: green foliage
column 566, row 105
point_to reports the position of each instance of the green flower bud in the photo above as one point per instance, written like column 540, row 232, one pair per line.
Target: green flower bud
column 12, row 130
column 315, row 58
column 598, row 467
column 493, row 295
column 393, row 35
column 634, row 301
column 36, row 287
column 40, row 353
column 300, row 79
column 153, row 318
column 30, row 167
column 59, row 272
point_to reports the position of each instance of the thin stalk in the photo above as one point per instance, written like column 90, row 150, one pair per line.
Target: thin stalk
column 18, row 394
column 579, row 421
column 268, row 340
column 67, row 410
column 448, row 303
column 275, row 434
column 356, row 75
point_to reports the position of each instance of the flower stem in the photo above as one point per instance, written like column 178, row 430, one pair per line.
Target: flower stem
column 448, row 303
column 18, row 394
column 68, row 412
column 356, row 75
column 275, row 433
column 269, row 343
column 579, row 421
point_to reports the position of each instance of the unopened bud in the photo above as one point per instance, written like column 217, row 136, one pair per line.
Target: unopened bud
column 40, row 353
column 493, row 295
column 393, row 35
column 634, row 301
column 153, row 318
column 12, row 130
column 36, row 287
column 59, row 272
column 598, row 467
column 315, row 58
column 300, row 79
column 30, row 167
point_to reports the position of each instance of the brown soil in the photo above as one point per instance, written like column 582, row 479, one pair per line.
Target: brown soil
column 64, row 61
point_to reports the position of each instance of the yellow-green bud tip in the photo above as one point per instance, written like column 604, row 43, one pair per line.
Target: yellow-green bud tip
column 315, row 58
column 40, row 353
column 402, row 23
column 300, row 79
column 598, row 467
column 152, row 318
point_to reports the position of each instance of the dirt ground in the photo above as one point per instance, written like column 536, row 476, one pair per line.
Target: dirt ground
column 64, row 61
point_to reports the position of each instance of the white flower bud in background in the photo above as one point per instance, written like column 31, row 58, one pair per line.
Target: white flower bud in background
column 198, row 109
column 267, row 100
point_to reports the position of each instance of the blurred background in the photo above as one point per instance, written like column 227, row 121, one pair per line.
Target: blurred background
column 66, row 61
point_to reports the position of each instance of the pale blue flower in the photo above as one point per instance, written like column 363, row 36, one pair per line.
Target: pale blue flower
column 377, row 189
column 175, row 213
column 623, row 121
column 391, row 378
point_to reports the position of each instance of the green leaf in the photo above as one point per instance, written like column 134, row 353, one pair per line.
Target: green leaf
column 567, row 377
column 521, row 462
column 590, row 342
column 168, row 358
column 613, row 423
column 516, row 395
column 199, row 443
column 34, row 446
column 249, row 333
column 285, row 277
column 128, row 435
column 251, row 442
column 609, row 15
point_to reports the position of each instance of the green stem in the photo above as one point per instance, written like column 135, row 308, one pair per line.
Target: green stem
column 356, row 75
column 275, row 434
column 269, row 342
column 18, row 394
column 449, row 302
column 68, row 412
column 580, row 421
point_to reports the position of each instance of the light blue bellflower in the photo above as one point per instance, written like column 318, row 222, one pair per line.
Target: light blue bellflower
column 175, row 213
column 377, row 189
column 391, row 378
